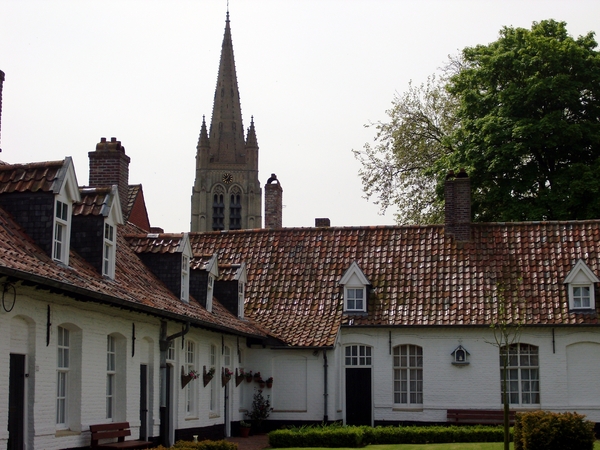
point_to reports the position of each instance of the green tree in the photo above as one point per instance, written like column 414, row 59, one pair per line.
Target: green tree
column 398, row 167
column 529, row 131
column 521, row 115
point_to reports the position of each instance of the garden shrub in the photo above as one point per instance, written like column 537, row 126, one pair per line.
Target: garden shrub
column 544, row 430
column 202, row 445
column 349, row 436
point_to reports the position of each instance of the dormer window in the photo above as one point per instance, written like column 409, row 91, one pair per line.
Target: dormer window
column 241, row 294
column 355, row 285
column 60, row 246
column 580, row 287
column 185, row 278
column 355, row 299
column 108, row 262
column 209, row 293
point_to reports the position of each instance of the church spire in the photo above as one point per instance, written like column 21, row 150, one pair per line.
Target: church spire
column 226, row 128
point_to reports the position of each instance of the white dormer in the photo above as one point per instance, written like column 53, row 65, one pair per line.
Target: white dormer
column 240, row 277
column 111, row 210
column 355, row 289
column 213, row 272
column 580, row 286
column 186, row 256
column 66, row 192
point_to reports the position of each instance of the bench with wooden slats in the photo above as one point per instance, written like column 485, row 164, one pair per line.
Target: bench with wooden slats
column 478, row 416
column 115, row 430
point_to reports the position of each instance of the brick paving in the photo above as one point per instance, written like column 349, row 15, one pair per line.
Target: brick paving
column 256, row 442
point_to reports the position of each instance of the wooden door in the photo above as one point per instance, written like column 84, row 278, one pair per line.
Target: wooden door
column 16, row 403
column 358, row 396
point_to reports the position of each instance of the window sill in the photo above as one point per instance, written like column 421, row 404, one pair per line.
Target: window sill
column 408, row 408
column 192, row 418
column 62, row 433
column 213, row 415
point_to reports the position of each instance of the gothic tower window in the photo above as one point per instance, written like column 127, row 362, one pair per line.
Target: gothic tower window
column 218, row 212
column 235, row 211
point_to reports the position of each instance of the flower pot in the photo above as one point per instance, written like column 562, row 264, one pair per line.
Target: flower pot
column 225, row 379
column 244, row 432
column 185, row 379
column 269, row 384
column 248, row 378
column 261, row 384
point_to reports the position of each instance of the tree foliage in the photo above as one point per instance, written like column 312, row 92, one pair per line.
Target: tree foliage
column 521, row 115
column 398, row 167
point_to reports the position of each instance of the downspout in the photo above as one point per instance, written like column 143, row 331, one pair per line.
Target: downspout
column 325, row 392
column 164, row 348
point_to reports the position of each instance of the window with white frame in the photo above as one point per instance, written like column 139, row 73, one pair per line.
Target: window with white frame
column 62, row 381
column 227, row 357
column 190, row 364
column 60, row 247
column 111, row 375
column 408, row 375
column 580, row 285
column 214, row 386
column 355, row 298
column 355, row 285
column 108, row 266
column 171, row 351
column 185, row 278
column 523, row 374
column 241, row 294
column 358, row 355
column 209, row 293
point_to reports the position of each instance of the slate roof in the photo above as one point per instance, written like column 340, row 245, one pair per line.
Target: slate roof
column 420, row 276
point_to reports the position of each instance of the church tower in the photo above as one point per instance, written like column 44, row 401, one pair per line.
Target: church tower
column 226, row 194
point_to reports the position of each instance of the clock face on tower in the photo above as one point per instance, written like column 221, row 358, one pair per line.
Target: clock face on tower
column 227, row 178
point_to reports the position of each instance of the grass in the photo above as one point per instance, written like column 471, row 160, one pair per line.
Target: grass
column 470, row 446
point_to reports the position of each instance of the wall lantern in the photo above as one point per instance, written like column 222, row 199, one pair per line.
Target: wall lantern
column 460, row 356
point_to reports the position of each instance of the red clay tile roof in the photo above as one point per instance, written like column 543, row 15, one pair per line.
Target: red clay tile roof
column 419, row 276
column 154, row 242
column 93, row 200
column 134, row 286
column 32, row 177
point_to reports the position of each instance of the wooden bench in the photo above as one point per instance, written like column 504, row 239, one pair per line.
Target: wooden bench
column 479, row 416
column 118, row 430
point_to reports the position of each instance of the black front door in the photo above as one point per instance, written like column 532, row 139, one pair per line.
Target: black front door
column 358, row 396
column 16, row 403
column 144, row 402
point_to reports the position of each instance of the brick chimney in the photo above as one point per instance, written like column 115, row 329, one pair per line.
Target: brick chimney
column 1, row 84
column 457, row 192
column 273, row 203
column 322, row 222
column 110, row 165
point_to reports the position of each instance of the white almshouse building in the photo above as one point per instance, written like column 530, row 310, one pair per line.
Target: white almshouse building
column 103, row 318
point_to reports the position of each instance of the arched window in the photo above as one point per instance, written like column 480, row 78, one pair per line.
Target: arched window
column 523, row 374
column 218, row 212
column 235, row 212
column 408, row 374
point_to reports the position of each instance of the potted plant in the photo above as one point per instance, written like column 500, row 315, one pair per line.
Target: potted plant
column 248, row 376
column 239, row 376
column 244, row 429
column 261, row 408
column 207, row 376
column 226, row 375
column 269, row 382
column 257, row 377
column 186, row 377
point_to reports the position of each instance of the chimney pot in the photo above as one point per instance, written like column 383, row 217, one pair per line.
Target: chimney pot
column 322, row 222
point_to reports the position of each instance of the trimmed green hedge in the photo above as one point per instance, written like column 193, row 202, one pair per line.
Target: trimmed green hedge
column 348, row 436
column 202, row 445
column 543, row 430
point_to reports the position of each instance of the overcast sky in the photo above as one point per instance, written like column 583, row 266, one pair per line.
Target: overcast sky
column 312, row 73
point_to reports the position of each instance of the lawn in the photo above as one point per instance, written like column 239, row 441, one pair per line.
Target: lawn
column 470, row 446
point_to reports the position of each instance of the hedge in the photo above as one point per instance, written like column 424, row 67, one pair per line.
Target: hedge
column 544, row 430
column 349, row 436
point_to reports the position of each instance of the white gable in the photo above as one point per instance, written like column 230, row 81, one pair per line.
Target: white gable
column 354, row 276
column 581, row 273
